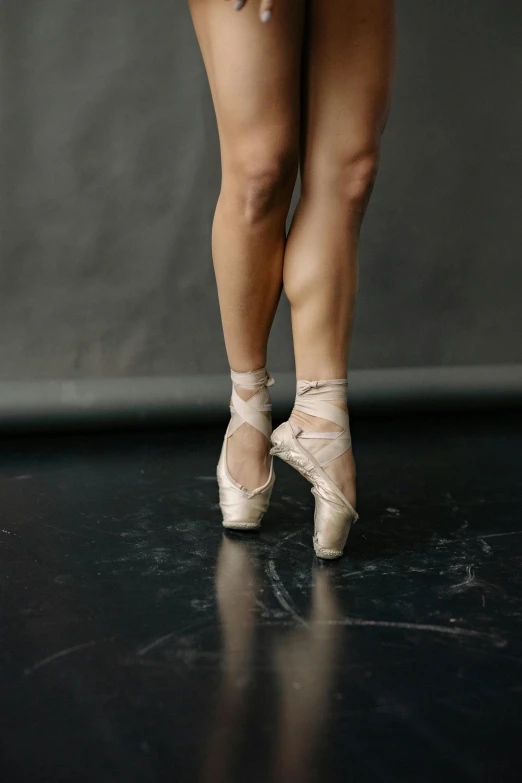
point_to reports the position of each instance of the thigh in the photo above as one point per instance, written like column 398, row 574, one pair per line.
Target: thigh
column 254, row 72
column 349, row 69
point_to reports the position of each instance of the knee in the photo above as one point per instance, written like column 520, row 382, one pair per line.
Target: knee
column 357, row 175
column 260, row 182
column 348, row 178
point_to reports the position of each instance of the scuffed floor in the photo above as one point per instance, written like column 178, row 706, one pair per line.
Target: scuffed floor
column 140, row 643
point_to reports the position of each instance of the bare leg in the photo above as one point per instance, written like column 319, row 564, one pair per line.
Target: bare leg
column 347, row 91
column 254, row 73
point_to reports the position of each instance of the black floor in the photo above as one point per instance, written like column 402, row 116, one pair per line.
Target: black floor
column 140, row 643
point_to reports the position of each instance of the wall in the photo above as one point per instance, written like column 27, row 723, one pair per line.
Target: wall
column 110, row 171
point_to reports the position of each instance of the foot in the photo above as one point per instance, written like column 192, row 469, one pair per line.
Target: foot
column 248, row 459
column 341, row 470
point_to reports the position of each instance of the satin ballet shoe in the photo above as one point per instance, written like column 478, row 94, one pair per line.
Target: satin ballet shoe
column 334, row 514
column 243, row 509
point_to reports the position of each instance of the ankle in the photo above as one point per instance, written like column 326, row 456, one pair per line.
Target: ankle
column 246, row 394
column 315, row 423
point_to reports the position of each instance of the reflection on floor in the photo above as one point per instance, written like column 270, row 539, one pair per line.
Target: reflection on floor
column 140, row 643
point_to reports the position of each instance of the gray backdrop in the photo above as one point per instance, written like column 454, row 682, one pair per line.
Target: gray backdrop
column 110, row 172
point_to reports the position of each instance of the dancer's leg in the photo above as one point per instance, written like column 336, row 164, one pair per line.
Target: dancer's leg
column 347, row 91
column 254, row 72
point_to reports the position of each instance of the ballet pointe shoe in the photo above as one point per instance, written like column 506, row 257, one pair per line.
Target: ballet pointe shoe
column 334, row 514
column 244, row 509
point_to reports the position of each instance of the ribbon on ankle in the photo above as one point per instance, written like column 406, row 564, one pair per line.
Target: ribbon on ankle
column 251, row 411
column 256, row 379
column 315, row 398
column 323, row 390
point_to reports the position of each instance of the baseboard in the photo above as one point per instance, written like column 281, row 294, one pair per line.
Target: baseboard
column 135, row 402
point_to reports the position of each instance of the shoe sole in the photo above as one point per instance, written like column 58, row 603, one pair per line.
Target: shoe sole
column 241, row 525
